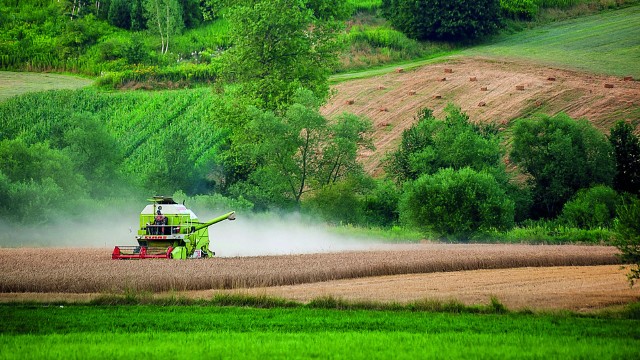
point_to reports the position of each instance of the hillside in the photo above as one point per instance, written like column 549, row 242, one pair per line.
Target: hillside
column 392, row 100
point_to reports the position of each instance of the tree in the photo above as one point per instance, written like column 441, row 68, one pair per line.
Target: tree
column 457, row 203
column 119, row 14
column 454, row 142
column 561, row 156
column 627, row 237
column 299, row 151
column 278, row 47
column 443, row 19
column 626, row 147
column 165, row 18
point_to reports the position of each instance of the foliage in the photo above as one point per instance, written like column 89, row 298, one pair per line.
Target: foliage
column 561, row 156
column 443, row 19
column 526, row 9
column 591, row 208
column 548, row 232
column 300, row 151
column 454, row 142
column 626, row 147
column 381, row 204
column 278, row 47
column 120, row 13
column 627, row 237
column 167, row 139
column 457, row 203
column 165, row 18
column 34, row 178
column 338, row 203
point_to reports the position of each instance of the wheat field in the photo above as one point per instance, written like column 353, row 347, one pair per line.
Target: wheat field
column 74, row 270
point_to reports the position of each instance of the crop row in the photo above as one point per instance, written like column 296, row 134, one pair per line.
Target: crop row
column 92, row 270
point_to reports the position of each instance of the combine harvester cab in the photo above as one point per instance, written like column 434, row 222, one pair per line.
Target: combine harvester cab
column 169, row 230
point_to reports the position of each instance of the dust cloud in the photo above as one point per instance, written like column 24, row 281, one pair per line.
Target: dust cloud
column 248, row 235
column 278, row 235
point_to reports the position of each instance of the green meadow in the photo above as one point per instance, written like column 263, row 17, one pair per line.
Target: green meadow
column 605, row 43
column 181, row 332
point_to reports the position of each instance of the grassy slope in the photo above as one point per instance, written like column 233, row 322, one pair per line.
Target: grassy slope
column 17, row 83
column 605, row 43
column 232, row 332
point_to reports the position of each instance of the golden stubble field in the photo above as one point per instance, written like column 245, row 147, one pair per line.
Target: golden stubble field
column 535, row 276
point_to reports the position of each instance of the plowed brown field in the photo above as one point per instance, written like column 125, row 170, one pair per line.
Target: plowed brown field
column 391, row 101
column 571, row 277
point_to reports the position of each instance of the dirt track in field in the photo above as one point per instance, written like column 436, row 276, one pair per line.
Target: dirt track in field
column 582, row 288
column 391, row 101
column 520, row 276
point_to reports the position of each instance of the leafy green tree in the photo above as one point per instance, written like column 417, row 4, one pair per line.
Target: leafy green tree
column 94, row 151
column 561, row 156
column 299, row 151
column 457, row 203
column 381, row 204
column 627, row 237
column 38, row 181
column 591, row 208
column 443, row 19
column 454, row 142
column 138, row 21
column 626, row 147
column 278, row 47
column 164, row 17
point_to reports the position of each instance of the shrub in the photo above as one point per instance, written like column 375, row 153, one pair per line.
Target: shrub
column 562, row 156
column 339, row 203
column 591, row 208
column 526, row 9
column 443, row 19
column 457, row 203
column 454, row 142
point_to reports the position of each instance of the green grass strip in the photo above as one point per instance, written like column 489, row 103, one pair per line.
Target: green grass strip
column 177, row 332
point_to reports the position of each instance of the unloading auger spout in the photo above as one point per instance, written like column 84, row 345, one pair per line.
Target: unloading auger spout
column 169, row 230
column 230, row 216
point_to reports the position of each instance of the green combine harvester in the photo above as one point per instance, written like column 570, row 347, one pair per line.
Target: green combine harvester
column 169, row 230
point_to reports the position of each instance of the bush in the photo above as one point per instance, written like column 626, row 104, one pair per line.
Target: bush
column 526, row 9
column 454, row 142
column 443, row 19
column 562, row 156
column 457, row 204
column 339, row 203
column 591, row 208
